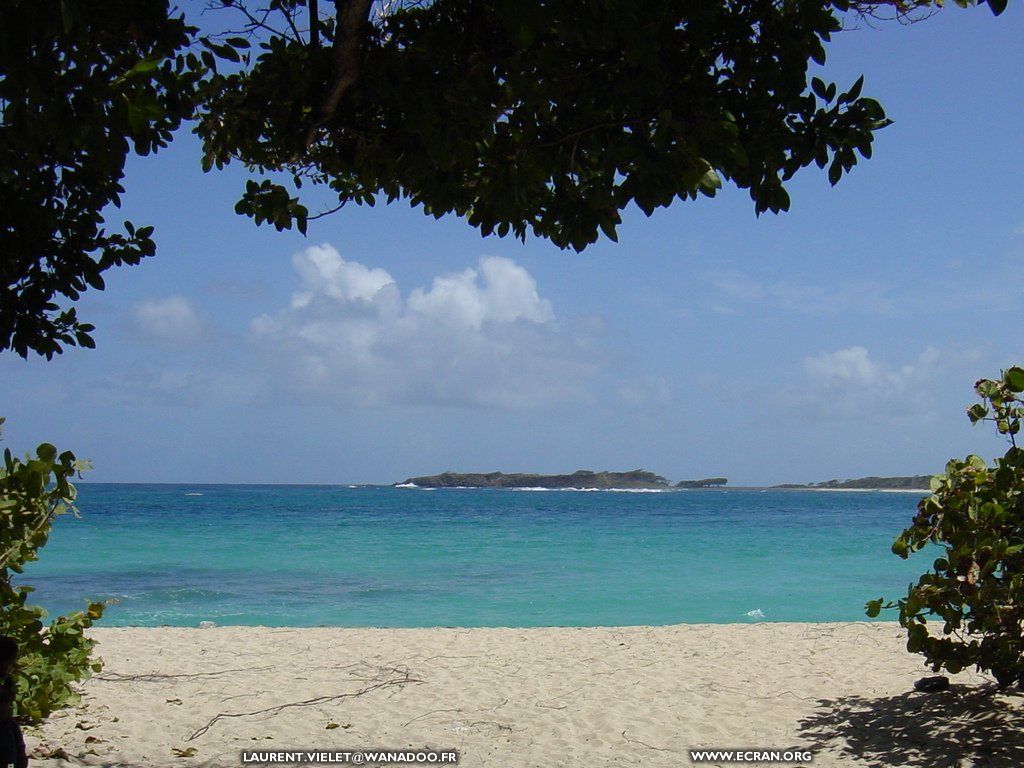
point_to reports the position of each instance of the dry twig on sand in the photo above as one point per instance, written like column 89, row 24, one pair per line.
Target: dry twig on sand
column 403, row 678
column 155, row 677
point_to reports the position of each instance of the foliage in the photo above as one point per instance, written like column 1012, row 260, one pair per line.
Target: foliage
column 32, row 493
column 912, row 482
column 82, row 84
column 707, row 482
column 976, row 585
column 522, row 116
column 540, row 117
column 914, row 10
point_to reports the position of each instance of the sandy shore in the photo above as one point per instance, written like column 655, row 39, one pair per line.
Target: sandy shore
column 592, row 697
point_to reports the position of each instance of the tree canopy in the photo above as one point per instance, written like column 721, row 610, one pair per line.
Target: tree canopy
column 542, row 117
column 81, row 86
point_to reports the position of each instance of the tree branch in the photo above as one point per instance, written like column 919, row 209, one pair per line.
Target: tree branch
column 346, row 53
column 314, row 24
column 904, row 11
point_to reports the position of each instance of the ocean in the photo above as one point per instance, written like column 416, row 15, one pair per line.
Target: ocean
column 385, row 557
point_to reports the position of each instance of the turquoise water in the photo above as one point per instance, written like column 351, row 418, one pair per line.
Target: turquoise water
column 311, row 555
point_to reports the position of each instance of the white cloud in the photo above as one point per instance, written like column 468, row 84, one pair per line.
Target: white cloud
column 170, row 320
column 483, row 336
column 853, row 367
column 846, row 366
column 849, row 383
column 504, row 293
column 323, row 270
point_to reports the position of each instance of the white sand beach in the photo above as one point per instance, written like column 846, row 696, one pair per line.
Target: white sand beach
column 589, row 697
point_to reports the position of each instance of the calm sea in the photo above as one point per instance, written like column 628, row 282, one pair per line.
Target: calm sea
column 385, row 557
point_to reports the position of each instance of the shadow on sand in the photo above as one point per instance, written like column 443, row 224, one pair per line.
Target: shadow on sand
column 963, row 726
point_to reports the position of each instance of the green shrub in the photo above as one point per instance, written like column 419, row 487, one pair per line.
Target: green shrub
column 975, row 587
column 32, row 492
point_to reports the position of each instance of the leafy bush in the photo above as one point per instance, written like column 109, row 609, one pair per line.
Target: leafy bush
column 32, row 493
column 976, row 585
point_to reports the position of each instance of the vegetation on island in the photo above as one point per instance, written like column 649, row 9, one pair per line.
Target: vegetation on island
column 523, row 118
column 33, row 492
column 968, row 608
column 907, row 483
column 586, row 479
column 707, row 482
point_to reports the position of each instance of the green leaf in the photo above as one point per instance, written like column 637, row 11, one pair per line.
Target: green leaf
column 144, row 66
column 899, row 547
column 835, row 172
column 854, row 92
column 47, row 452
column 1014, row 378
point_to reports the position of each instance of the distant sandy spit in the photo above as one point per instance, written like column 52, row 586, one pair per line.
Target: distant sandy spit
column 544, row 698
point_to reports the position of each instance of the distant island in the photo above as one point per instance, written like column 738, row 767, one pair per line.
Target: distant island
column 641, row 479
column 638, row 478
column 909, row 483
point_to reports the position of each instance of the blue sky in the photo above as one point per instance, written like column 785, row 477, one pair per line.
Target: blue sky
column 838, row 340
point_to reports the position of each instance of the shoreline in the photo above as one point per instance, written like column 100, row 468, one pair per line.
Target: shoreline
column 752, row 622
column 592, row 697
column 411, row 487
